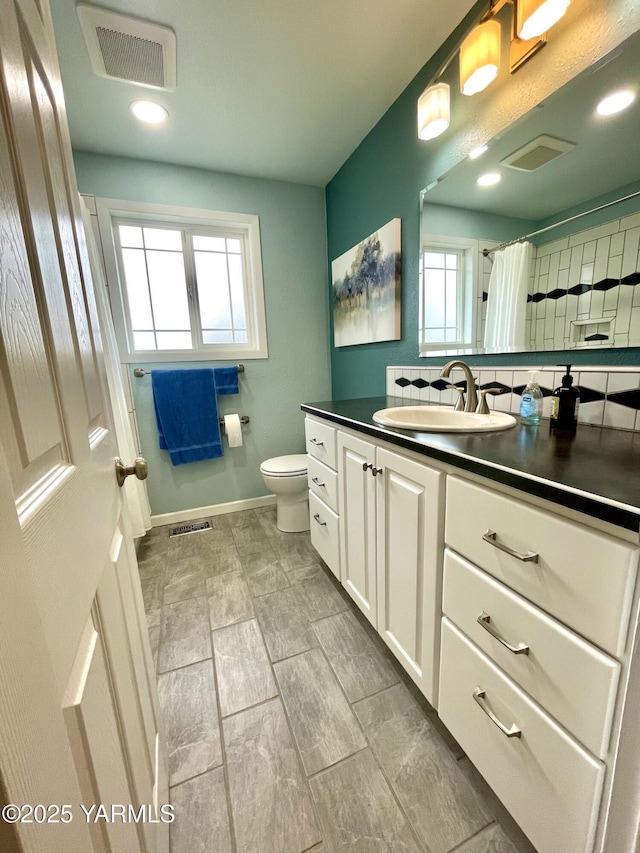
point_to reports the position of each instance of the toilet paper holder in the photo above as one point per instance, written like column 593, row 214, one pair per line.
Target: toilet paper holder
column 244, row 419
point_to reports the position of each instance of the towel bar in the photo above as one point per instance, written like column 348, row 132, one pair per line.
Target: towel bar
column 139, row 372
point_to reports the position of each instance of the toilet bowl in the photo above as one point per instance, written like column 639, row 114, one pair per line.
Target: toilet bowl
column 286, row 477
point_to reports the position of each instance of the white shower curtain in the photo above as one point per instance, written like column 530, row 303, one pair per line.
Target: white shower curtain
column 507, row 299
column 135, row 490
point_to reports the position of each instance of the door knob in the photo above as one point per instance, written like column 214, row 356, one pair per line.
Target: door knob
column 139, row 468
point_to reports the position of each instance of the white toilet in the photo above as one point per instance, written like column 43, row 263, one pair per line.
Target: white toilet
column 286, row 477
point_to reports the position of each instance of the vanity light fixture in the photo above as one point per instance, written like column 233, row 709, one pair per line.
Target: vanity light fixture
column 480, row 58
column 433, row 111
column 480, row 55
column 489, row 179
column 535, row 17
column 616, row 102
column 478, row 152
column 149, row 112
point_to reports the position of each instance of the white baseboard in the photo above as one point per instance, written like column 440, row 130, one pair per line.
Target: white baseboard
column 214, row 509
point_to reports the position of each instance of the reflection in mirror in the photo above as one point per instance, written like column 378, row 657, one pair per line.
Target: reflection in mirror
column 567, row 182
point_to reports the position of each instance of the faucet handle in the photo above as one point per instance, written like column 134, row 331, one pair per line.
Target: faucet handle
column 483, row 407
column 459, row 407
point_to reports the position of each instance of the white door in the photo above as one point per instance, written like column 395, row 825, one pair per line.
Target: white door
column 356, row 460
column 79, row 720
column 410, row 516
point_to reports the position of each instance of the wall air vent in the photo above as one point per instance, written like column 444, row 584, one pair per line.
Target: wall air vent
column 537, row 153
column 128, row 49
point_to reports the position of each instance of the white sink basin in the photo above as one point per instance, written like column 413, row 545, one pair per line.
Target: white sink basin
column 442, row 419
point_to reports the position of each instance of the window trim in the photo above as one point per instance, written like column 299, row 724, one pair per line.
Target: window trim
column 111, row 210
column 467, row 299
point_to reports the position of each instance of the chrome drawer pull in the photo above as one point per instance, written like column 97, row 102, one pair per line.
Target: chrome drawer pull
column 491, row 537
column 316, row 442
column 317, row 518
column 485, row 620
column 317, row 481
column 514, row 731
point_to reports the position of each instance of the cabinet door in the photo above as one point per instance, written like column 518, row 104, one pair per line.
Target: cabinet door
column 358, row 522
column 410, row 513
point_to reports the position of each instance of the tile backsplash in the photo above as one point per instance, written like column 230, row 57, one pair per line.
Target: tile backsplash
column 609, row 396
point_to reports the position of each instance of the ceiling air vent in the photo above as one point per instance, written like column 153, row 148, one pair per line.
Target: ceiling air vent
column 128, row 49
column 537, row 153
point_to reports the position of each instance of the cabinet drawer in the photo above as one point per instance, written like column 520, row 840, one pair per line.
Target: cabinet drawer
column 582, row 577
column 321, row 441
column 575, row 682
column 548, row 782
column 324, row 533
column 323, row 481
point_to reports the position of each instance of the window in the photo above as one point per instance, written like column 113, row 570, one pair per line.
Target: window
column 443, row 296
column 447, row 274
column 184, row 284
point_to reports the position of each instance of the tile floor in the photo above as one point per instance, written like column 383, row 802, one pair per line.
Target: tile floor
column 289, row 725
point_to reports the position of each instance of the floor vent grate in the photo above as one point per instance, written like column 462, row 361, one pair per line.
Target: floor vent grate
column 196, row 527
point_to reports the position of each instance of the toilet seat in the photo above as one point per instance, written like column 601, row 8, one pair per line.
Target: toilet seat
column 285, row 466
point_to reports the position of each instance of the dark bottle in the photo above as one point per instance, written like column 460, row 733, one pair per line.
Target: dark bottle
column 565, row 404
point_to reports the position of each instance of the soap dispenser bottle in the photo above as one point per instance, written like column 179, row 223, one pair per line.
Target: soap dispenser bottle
column 531, row 401
column 564, row 405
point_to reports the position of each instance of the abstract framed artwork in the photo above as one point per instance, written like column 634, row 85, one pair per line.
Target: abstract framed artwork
column 366, row 289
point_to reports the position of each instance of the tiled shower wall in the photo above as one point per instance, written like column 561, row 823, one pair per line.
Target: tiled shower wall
column 592, row 275
column 608, row 397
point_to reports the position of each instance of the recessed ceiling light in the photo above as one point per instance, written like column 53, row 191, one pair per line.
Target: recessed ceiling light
column 478, row 152
column 616, row 102
column 489, row 179
column 149, row 112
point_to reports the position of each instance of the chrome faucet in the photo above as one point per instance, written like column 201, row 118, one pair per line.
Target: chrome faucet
column 471, row 402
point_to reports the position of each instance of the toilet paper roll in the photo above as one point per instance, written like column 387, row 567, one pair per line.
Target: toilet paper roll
column 233, row 429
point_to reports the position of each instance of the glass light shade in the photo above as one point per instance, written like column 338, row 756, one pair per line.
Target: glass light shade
column 434, row 111
column 149, row 112
column 535, row 17
column 480, row 58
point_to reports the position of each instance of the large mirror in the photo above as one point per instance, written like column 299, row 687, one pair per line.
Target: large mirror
column 570, row 281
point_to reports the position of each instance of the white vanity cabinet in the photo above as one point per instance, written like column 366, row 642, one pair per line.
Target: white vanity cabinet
column 516, row 618
column 409, row 520
column 534, row 647
column 323, row 491
column 356, row 462
column 390, row 541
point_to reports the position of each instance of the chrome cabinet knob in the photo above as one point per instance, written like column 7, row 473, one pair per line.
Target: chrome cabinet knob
column 139, row 468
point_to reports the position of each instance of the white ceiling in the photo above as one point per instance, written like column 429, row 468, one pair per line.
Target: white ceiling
column 283, row 89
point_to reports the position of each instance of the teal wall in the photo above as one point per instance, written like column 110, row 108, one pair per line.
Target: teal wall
column 292, row 231
column 381, row 180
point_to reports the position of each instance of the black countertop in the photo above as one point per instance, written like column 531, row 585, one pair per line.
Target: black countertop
column 595, row 470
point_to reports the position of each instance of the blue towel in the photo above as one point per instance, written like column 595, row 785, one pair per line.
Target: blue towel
column 187, row 414
column 226, row 379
